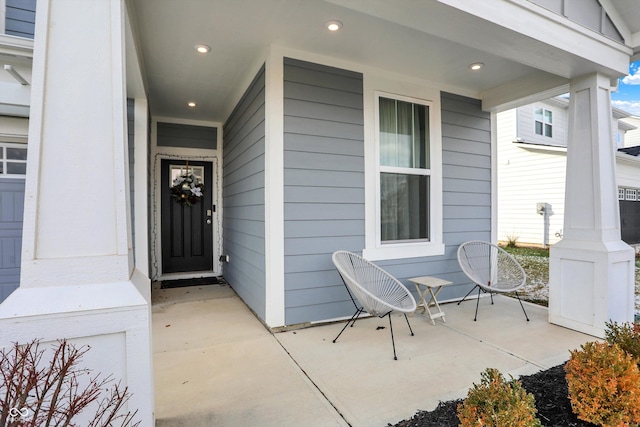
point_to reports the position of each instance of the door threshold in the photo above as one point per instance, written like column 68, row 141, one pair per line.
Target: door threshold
column 186, row 275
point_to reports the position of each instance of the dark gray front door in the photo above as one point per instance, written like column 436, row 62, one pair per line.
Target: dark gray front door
column 187, row 231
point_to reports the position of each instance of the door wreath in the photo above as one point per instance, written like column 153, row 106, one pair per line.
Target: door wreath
column 187, row 189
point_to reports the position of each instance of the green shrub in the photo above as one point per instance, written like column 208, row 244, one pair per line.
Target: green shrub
column 604, row 385
column 626, row 336
column 497, row 403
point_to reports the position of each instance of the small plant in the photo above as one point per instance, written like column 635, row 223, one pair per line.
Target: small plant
column 497, row 403
column 604, row 385
column 626, row 335
column 38, row 390
column 512, row 240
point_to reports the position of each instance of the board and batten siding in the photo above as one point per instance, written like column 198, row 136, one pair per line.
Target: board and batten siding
column 243, row 196
column 11, row 217
column 20, row 18
column 323, row 186
column 466, row 187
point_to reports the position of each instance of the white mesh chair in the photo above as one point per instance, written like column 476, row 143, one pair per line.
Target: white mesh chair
column 492, row 269
column 378, row 293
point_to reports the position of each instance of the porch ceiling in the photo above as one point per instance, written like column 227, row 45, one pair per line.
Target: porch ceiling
column 381, row 34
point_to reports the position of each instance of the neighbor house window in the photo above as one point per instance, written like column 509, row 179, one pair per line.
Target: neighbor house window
column 405, row 170
column 13, row 159
column 543, row 122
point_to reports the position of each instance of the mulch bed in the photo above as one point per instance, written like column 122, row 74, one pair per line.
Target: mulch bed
column 548, row 387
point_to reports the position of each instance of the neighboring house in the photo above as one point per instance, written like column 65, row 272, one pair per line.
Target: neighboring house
column 18, row 22
column 532, row 162
column 379, row 138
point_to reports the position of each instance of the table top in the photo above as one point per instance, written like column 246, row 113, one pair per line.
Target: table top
column 429, row 281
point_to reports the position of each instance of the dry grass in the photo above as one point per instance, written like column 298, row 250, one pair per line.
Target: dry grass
column 535, row 262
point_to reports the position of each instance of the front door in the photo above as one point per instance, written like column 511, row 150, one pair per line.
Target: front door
column 187, row 231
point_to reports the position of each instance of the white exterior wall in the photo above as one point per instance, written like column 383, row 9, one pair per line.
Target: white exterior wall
column 527, row 176
column 632, row 137
column 627, row 170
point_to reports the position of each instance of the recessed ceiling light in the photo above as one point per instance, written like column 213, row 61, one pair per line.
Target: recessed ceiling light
column 192, row 104
column 476, row 66
column 334, row 25
column 203, row 48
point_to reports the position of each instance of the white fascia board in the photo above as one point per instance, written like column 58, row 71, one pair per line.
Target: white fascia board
column 16, row 46
column 536, row 23
column 627, row 158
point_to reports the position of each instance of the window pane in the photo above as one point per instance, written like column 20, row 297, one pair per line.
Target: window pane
column 538, row 128
column 538, row 114
column 16, row 153
column 421, row 137
column 404, row 203
column 548, row 116
column 404, row 134
column 548, row 131
column 16, row 168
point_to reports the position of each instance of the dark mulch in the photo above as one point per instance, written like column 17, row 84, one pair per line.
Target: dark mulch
column 548, row 387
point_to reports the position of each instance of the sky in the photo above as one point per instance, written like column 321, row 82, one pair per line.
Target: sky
column 627, row 97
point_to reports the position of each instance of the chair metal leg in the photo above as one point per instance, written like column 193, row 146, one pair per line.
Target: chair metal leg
column 477, row 304
column 521, row 305
column 353, row 319
column 393, row 342
column 407, row 319
column 468, row 293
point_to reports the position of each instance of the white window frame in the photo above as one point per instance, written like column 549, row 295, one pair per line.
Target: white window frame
column 544, row 122
column 374, row 248
column 4, row 160
column 621, row 193
column 630, row 194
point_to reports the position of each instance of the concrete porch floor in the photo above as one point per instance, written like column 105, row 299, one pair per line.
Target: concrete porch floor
column 215, row 363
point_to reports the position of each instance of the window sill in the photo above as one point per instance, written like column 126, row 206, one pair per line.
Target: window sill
column 402, row 251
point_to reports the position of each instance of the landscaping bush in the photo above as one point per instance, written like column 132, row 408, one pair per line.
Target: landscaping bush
column 497, row 403
column 626, row 336
column 41, row 390
column 604, row 385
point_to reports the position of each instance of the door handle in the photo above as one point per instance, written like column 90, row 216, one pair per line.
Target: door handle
column 208, row 221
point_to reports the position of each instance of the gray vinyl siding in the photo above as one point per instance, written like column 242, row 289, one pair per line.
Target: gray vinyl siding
column 243, row 198
column 323, row 186
column 11, row 214
column 20, row 18
column 466, row 210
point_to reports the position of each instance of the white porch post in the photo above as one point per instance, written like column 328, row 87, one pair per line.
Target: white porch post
column 591, row 276
column 77, row 272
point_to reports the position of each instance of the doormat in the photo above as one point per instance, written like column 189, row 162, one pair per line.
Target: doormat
column 181, row 283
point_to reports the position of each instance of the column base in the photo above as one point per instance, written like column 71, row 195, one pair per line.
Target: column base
column 591, row 283
column 112, row 318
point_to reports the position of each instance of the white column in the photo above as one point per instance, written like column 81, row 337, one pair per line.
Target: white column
column 77, row 267
column 591, row 276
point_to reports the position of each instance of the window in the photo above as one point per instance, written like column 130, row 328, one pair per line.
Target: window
column 621, row 193
column 631, row 194
column 13, row 159
column 543, row 122
column 404, row 170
